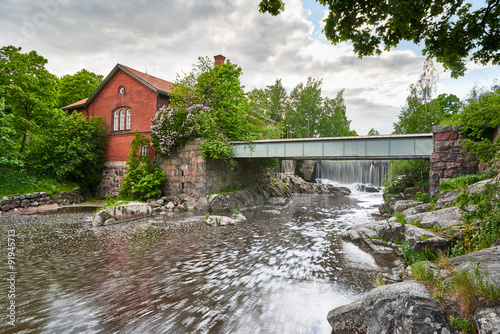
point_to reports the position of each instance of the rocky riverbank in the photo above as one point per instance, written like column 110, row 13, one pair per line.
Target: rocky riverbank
column 406, row 305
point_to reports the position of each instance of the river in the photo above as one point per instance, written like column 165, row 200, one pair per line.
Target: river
column 277, row 273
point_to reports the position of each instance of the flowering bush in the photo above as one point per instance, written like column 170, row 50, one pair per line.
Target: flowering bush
column 173, row 126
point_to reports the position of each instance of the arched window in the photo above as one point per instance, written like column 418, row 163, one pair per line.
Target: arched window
column 122, row 119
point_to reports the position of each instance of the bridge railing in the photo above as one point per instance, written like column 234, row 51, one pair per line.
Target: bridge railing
column 414, row 146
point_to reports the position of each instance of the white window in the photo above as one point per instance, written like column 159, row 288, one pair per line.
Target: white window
column 129, row 114
column 115, row 127
column 122, row 119
column 144, row 150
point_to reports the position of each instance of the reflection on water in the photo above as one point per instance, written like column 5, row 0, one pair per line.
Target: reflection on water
column 274, row 274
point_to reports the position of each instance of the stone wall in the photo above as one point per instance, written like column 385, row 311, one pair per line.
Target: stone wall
column 187, row 172
column 448, row 160
column 39, row 199
column 112, row 176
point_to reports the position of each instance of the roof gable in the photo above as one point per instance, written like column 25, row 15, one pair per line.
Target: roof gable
column 158, row 85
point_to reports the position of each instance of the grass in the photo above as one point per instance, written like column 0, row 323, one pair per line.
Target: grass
column 463, row 181
column 14, row 183
column 400, row 217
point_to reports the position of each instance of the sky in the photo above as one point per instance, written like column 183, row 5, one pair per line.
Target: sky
column 166, row 37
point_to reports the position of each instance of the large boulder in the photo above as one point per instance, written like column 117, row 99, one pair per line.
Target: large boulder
column 121, row 213
column 420, row 239
column 488, row 320
column 404, row 307
column 403, row 205
column 488, row 258
column 377, row 236
column 447, row 198
column 443, row 218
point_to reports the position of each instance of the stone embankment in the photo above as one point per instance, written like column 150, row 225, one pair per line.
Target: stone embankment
column 406, row 306
column 37, row 201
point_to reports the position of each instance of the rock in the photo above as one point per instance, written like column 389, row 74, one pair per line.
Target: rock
column 368, row 188
column 372, row 235
column 278, row 201
column 417, row 209
column 488, row 320
column 404, row 205
column 420, row 239
column 344, row 190
column 444, row 218
column 25, row 203
column 409, row 193
column 160, row 202
column 214, row 220
column 5, row 207
column 121, row 213
column 447, row 198
column 488, row 258
column 170, row 206
column 15, row 204
column 395, row 308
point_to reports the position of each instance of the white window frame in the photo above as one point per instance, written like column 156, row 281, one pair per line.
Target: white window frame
column 129, row 116
column 122, row 119
column 144, row 150
column 116, row 120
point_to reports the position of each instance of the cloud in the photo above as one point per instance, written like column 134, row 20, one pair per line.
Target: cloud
column 165, row 37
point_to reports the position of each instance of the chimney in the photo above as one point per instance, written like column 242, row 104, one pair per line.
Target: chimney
column 219, row 60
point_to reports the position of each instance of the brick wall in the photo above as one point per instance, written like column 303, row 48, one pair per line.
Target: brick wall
column 188, row 173
column 112, row 177
column 447, row 160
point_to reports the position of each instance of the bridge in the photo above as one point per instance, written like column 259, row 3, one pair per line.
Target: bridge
column 385, row 147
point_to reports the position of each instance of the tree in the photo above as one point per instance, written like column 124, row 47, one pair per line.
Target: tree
column 305, row 109
column 373, row 132
column 333, row 121
column 272, row 102
column 72, row 149
column 73, row 88
column 451, row 30
column 9, row 154
column 209, row 102
column 29, row 89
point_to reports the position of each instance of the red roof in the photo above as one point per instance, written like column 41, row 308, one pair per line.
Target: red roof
column 76, row 105
column 159, row 84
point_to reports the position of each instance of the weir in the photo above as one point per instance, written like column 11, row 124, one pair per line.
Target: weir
column 348, row 172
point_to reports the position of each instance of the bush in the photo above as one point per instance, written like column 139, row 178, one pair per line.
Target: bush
column 410, row 257
column 72, row 149
column 463, row 181
column 143, row 179
column 403, row 174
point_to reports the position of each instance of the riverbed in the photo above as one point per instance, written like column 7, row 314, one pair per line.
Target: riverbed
column 281, row 272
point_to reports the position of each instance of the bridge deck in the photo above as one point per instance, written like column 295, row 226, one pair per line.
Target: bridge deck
column 414, row 146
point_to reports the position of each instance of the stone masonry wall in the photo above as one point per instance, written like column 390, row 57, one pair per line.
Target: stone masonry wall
column 33, row 200
column 112, row 177
column 187, row 172
column 447, row 160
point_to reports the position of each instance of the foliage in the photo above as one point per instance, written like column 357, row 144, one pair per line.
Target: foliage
column 14, row 182
column 30, row 91
column 464, row 325
column 405, row 173
column 472, row 287
column 210, row 103
column 76, row 87
column 482, row 224
column 422, row 272
column 452, row 31
column 410, row 257
column 479, row 120
column 463, row 181
column 272, row 102
column 143, row 179
column 400, row 217
column 72, row 149
column 9, row 152
column 373, row 132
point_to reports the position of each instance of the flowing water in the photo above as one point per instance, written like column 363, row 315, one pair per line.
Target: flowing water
column 348, row 172
column 281, row 272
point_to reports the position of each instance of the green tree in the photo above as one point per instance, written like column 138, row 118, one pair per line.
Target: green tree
column 72, row 149
column 451, row 30
column 305, row 109
column 478, row 121
column 29, row 89
column 333, row 121
column 272, row 102
column 9, row 153
column 209, row 102
column 373, row 132
column 73, row 88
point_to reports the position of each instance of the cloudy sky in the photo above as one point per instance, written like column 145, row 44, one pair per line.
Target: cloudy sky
column 165, row 38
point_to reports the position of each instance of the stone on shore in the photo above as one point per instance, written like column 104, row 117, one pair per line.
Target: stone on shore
column 121, row 213
column 404, row 307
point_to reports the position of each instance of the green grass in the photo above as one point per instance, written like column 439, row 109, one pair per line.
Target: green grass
column 14, row 183
column 463, row 181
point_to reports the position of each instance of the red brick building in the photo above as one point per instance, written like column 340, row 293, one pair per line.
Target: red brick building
column 127, row 100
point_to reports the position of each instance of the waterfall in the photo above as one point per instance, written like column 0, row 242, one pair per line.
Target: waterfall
column 355, row 171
